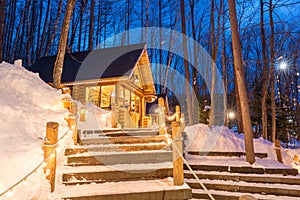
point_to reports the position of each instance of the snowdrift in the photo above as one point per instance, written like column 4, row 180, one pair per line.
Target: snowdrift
column 27, row 104
column 200, row 137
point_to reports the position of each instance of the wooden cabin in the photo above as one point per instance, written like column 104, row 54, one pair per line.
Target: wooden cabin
column 117, row 79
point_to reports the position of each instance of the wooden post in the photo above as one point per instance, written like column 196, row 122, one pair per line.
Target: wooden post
column 177, row 152
column 178, row 115
column 73, row 127
column 82, row 115
column 161, row 116
column 66, row 90
column 73, row 108
column 278, row 151
column 67, row 103
column 296, row 159
column 143, row 111
column 73, row 121
column 49, row 147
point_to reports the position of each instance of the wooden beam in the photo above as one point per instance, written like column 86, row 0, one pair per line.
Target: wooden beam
column 178, row 177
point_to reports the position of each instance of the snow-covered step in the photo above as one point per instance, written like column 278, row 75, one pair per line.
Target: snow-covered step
column 254, row 178
column 118, row 132
column 224, row 195
column 112, row 158
column 146, row 189
column 246, row 187
column 100, row 174
column 226, row 154
column 244, row 169
column 124, row 140
column 118, row 148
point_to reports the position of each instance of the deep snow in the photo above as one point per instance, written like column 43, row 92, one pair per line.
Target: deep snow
column 27, row 104
column 202, row 138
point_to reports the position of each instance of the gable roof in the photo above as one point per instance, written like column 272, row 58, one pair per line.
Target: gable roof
column 111, row 62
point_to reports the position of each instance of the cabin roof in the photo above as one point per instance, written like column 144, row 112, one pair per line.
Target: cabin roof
column 111, row 62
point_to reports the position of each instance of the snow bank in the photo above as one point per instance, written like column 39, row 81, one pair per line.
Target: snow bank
column 27, row 104
column 96, row 118
column 200, row 137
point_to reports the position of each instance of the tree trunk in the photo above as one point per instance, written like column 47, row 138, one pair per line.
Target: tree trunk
column 186, row 65
column 272, row 82
column 46, row 22
column 91, row 31
column 159, row 65
column 82, row 7
column 239, row 116
column 213, row 71
column 39, row 29
column 49, row 43
column 58, row 66
column 237, row 54
column 195, row 72
column 2, row 21
column 224, row 68
column 264, row 75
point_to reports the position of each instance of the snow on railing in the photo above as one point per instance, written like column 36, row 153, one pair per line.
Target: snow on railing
column 163, row 118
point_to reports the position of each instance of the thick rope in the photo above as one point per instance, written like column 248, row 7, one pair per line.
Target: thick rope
column 202, row 185
column 36, row 168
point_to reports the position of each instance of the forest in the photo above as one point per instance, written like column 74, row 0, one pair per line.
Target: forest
column 269, row 35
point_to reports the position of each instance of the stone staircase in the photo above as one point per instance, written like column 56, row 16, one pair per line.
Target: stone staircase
column 225, row 180
column 120, row 164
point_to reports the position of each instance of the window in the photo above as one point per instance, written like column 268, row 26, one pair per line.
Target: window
column 101, row 96
column 107, row 96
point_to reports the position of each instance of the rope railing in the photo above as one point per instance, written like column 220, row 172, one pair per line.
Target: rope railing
column 9, row 191
column 178, row 159
column 279, row 149
column 194, row 174
column 49, row 145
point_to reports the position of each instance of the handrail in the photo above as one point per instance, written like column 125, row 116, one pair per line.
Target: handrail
column 35, row 169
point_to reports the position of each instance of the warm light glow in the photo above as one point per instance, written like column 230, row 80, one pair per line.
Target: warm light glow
column 10, row 193
column 47, row 172
column 231, row 115
column 297, row 73
column 283, row 65
column 52, row 156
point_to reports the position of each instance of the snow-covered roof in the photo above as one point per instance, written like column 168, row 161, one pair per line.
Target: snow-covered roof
column 97, row 64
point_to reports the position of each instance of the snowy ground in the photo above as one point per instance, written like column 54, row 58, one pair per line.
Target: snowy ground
column 27, row 104
column 201, row 138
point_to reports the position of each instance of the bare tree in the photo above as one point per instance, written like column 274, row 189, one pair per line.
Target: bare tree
column 43, row 38
column 2, row 21
column 214, row 57
column 51, row 38
column 91, row 31
column 82, row 8
column 238, row 64
column 58, row 66
column 265, row 75
column 224, row 68
column 186, row 64
column 272, row 77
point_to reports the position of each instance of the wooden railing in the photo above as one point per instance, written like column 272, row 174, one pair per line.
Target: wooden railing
column 51, row 140
column 177, row 127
